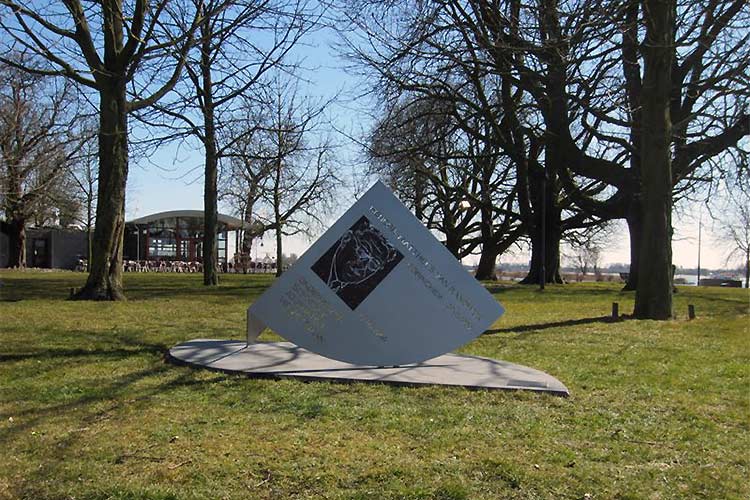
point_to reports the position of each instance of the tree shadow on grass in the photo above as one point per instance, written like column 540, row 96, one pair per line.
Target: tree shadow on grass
column 574, row 291
column 553, row 324
column 57, row 287
column 147, row 292
column 116, row 390
column 52, row 354
column 119, row 392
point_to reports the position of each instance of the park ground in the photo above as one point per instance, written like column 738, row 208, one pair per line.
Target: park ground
column 90, row 410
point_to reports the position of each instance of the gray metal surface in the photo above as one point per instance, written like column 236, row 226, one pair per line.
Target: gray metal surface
column 377, row 288
column 284, row 359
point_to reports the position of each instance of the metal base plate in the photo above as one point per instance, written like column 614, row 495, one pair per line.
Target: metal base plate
column 284, row 359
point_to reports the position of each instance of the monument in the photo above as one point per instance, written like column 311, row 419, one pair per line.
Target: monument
column 376, row 289
column 377, row 292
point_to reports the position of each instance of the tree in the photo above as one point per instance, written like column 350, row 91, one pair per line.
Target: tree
column 302, row 179
column 84, row 176
column 735, row 231
column 123, row 52
column 587, row 246
column 229, row 59
column 653, row 297
column 37, row 143
column 414, row 147
column 246, row 179
column 450, row 171
column 474, row 57
column 708, row 109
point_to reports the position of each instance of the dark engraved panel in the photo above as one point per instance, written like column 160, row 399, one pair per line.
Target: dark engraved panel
column 356, row 264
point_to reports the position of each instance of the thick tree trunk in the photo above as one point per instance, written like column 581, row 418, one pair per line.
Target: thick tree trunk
column 486, row 268
column 17, row 242
column 551, row 255
column 453, row 243
column 247, row 243
column 105, row 276
column 545, row 239
column 635, row 229
column 747, row 267
column 653, row 297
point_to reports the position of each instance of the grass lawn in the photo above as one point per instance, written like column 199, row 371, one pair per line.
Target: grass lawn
column 89, row 409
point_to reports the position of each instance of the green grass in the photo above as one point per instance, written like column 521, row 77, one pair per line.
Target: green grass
column 89, row 409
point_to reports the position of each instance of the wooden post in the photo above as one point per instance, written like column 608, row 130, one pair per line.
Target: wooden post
column 615, row 311
column 691, row 311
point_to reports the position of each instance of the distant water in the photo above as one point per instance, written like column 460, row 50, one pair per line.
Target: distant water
column 690, row 279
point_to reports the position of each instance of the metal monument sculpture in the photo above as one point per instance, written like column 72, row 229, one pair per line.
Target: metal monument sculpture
column 376, row 289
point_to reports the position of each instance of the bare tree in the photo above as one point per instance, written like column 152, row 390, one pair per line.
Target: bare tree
column 124, row 53
column 84, row 175
column 248, row 173
column 475, row 57
column 708, row 108
column 582, row 63
column 415, row 149
column 239, row 41
column 302, row 178
column 734, row 231
column 451, row 171
column 37, row 142
column 587, row 246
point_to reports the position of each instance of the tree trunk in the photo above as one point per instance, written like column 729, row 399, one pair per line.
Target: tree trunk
column 279, row 252
column 17, row 242
column 552, row 258
column 419, row 188
column 104, row 281
column 249, row 235
column 632, row 71
column 653, row 296
column 488, row 259
column 545, row 238
column 89, row 247
column 210, row 206
column 453, row 243
column 747, row 267
column 486, row 268
column 90, row 232
column 635, row 229
column 210, row 215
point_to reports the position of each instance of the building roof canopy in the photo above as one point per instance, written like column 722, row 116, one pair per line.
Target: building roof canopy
column 232, row 223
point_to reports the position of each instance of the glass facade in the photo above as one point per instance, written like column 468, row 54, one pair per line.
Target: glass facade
column 162, row 247
column 173, row 238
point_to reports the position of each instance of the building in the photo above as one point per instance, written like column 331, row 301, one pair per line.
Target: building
column 49, row 247
column 175, row 236
column 167, row 236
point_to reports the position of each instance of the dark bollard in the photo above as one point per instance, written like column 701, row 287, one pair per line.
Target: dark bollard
column 691, row 311
column 615, row 311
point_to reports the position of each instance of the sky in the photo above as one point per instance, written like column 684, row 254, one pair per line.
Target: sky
column 171, row 180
